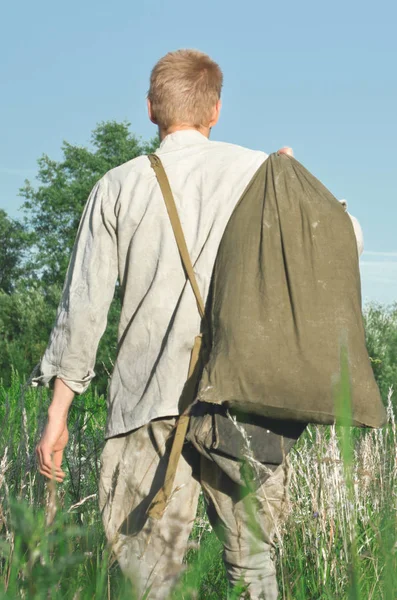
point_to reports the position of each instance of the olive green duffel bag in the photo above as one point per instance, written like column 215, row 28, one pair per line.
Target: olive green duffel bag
column 285, row 306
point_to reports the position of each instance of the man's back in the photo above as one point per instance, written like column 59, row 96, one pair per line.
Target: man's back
column 126, row 232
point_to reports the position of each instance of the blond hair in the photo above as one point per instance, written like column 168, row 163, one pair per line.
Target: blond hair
column 185, row 86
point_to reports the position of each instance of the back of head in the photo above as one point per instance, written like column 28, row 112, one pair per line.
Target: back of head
column 185, row 86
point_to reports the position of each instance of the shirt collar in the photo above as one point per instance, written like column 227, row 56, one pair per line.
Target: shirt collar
column 183, row 137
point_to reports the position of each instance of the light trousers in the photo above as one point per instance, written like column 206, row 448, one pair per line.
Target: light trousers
column 150, row 552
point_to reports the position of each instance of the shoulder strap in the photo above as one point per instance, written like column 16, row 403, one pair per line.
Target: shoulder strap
column 161, row 499
column 177, row 227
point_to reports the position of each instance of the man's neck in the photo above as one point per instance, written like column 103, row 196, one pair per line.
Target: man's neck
column 203, row 130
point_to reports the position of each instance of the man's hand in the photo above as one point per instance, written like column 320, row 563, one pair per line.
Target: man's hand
column 286, row 150
column 50, row 449
column 55, row 436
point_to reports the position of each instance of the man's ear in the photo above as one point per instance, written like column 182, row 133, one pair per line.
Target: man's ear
column 215, row 113
column 150, row 112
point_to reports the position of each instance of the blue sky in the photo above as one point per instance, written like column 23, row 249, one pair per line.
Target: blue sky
column 320, row 77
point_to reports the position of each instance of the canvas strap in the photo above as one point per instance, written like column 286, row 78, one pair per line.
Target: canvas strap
column 177, row 228
column 160, row 501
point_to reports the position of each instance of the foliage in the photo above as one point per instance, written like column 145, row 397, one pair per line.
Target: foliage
column 12, row 244
column 337, row 540
column 381, row 332
column 26, row 318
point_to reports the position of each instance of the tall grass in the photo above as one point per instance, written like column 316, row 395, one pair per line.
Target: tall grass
column 338, row 539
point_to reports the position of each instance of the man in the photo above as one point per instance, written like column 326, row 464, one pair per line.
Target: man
column 125, row 234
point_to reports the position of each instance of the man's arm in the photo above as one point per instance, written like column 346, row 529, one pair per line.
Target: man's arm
column 81, row 320
column 55, row 436
column 358, row 233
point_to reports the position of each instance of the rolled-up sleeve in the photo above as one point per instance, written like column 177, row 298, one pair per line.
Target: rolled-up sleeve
column 359, row 234
column 86, row 298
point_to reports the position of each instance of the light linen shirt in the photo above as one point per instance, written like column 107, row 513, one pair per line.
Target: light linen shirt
column 125, row 234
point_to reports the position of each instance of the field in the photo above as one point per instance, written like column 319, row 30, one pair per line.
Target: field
column 338, row 540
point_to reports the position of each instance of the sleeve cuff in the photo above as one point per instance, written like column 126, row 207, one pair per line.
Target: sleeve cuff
column 78, row 386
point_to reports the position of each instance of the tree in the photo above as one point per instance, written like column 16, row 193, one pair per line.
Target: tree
column 53, row 209
column 26, row 317
column 381, row 334
column 12, row 242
